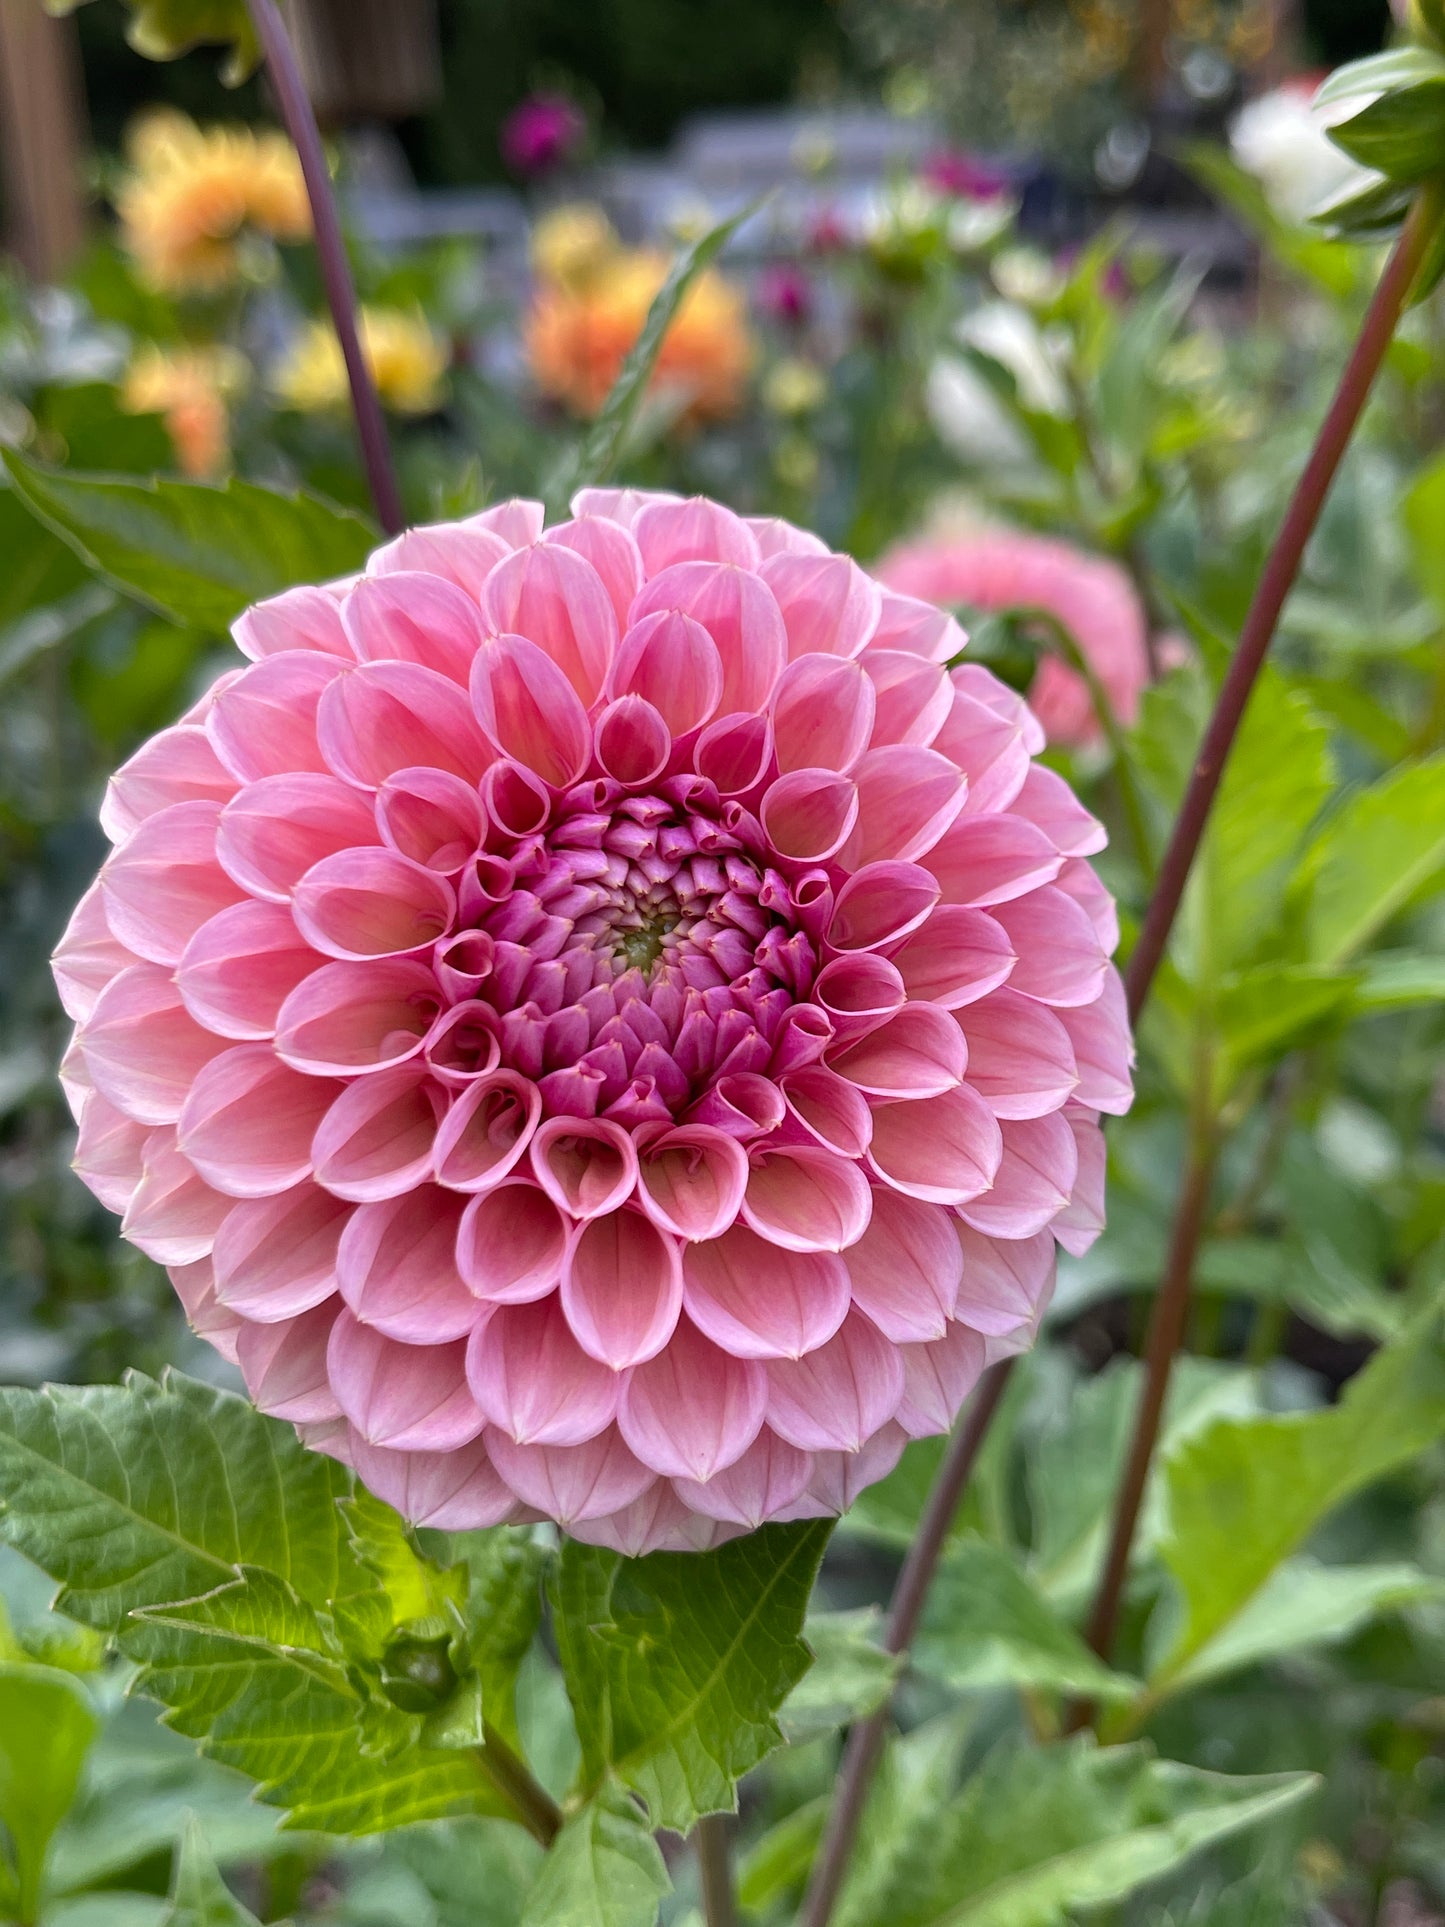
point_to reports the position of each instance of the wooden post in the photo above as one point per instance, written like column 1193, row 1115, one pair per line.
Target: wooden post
column 367, row 59
column 41, row 121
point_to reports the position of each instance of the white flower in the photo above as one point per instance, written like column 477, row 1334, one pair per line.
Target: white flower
column 967, row 412
column 1281, row 140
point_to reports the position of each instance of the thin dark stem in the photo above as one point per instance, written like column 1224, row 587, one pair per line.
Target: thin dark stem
column 300, row 121
column 710, row 1839
column 538, row 1812
column 1274, row 586
column 865, row 1742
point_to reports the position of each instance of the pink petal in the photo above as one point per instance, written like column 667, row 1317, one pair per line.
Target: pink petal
column 349, row 1017
column 981, row 685
column 406, row 616
column 178, row 766
column 830, row 607
column 449, row 1491
column 917, row 627
column 273, row 831
column 691, row 1180
column 588, row 1166
column 803, row 1198
column 622, row 1288
column 838, row 1478
column 432, row 817
column 673, row 662
column 413, row 1398
column 1019, row 1055
column 655, row 1521
column 1006, row 1281
column 530, row 711
column 808, row 814
column 533, row 1380
column 206, row 1317
column 620, row 505
column 238, row 969
column 161, row 886
column 1046, row 800
column 840, row 1394
column 1060, row 958
column 735, row 752
column 906, row 1268
column 248, row 1122
column 485, row 1134
column 511, row 1244
column 1079, row 1225
column 992, row 859
column 109, row 1151
column 907, row 798
column 915, row 697
column 518, row 521
column 696, row 530
column 371, row 903
column 955, row 958
column 990, row 749
column 775, row 536
column 143, row 1048
column 613, row 554
column 265, row 723
column 759, row 1301
column 944, row 1150
column 880, row 903
column 459, row 554
column 1103, row 1049
column 829, row 1109
column 1077, row 878
column 767, row 1477
column 822, row 714
column 463, row 1044
column 515, row 800
column 937, row 1378
column 173, row 1214
column 918, row 1052
column 556, row 599
column 304, row 618
column 739, row 612
column 390, row 716
column 376, row 1139
column 694, row 1408
column 397, row 1269
column 1033, row 1182
column 276, row 1257
column 88, row 956
column 741, row 1104
column 859, row 993
column 633, row 742
column 572, row 1483
column 284, row 1367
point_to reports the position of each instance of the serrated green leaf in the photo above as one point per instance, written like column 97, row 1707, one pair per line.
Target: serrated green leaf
column 677, row 1664
column 1372, row 857
column 196, row 552
column 1246, row 1494
column 605, row 441
column 507, row 1567
column 47, row 1725
column 1040, row 1835
column 1402, row 134
column 166, row 29
column 199, row 1897
column 1259, row 1014
column 604, row 1869
column 987, row 1626
column 850, row 1677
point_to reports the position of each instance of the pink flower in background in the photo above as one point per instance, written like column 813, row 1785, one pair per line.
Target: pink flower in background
column 964, row 176
column 785, row 294
column 599, row 1024
column 542, row 134
column 1092, row 597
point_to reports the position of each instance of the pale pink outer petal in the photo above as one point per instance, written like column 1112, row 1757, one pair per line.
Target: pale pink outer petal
column 1060, row 959
column 265, row 722
column 739, row 612
column 1019, row 1055
column 822, row 714
column 284, row 1366
column 937, row 1378
column 1034, row 1179
column 178, row 766
column 768, row 1477
column 530, row 711
column 554, row 597
column 142, row 1047
column 1006, row 1281
column 690, row 1180
column 517, row 522
column 271, row 833
column 914, row 697
column 464, row 556
column 694, row 1408
column 839, row 1477
column 351, row 1017
column 957, row 956
column 511, row 1244
column 238, row 969
column 908, row 797
column 109, row 1151
column 457, row 1491
column 376, row 1139
column 941, row 1150
column 830, row 607
column 248, row 1122
column 572, row 1483
column 986, row 860
column 165, row 882
column 906, row 1269
column 838, row 1396
column 655, row 1521
column 695, row 530
column 303, row 618
column 801, row 1197
column 276, row 1257
column 1079, row 1224
column 397, row 1271
column 533, row 1380
column 413, row 1398
column 207, row 1318
column 622, row 1288
column 1103, row 1049
column 173, row 1214
column 432, row 817
column 757, row 1301
column 407, row 616
column 613, row 554
column 389, row 716
column 775, row 536
column 620, row 505
column 88, row 956
column 881, row 903
column 833, row 1112
column 673, row 662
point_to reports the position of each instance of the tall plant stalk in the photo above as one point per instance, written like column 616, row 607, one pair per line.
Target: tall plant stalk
column 300, row 119
column 1167, row 1327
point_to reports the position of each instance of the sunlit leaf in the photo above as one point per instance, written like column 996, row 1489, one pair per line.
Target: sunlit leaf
column 604, row 1869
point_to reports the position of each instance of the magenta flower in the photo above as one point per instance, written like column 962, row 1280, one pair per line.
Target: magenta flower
column 1092, row 597
column 964, row 176
column 598, row 1023
column 785, row 294
column 541, row 134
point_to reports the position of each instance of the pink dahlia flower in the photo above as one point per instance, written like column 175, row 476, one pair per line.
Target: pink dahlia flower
column 598, row 1023
column 997, row 569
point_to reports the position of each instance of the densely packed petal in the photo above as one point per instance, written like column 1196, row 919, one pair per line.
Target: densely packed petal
column 601, row 1022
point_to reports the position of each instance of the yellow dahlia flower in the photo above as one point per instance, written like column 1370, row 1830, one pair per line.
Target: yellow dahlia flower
column 191, row 389
column 408, row 363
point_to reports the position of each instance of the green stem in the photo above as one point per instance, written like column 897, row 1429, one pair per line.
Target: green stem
column 538, row 1812
column 711, row 1844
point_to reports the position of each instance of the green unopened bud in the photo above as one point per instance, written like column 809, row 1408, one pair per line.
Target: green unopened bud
column 417, row 1673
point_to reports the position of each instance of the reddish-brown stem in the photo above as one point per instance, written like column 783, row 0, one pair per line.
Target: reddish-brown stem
column 865, row 1742
column 710, row 1843
column 1269, row 598
column 300, row 121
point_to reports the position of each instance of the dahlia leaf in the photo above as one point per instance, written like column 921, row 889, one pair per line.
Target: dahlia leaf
column 507, row 1566
column 166, row 29
column 677, row 1664
column 1246, row 1494
column 137, row 1494
column 1261, row 1013
column 604, row 1870
column 47, row 1725
column 253, row 1674
column 986, row 1626
column 851, row 1675
column 1040, row 1834
column 199, row 1897
column 1424, row 516
column 196, row 552
column 1400, row 980
column 1377, row 853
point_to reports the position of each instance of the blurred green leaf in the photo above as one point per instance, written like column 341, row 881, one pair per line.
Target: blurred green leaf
column 166, row 29
column 1402, row 134
column 604, row 1869
column 1399, row 67
column 677, row 1664
column 850, row 1677
column 1262, row 1013
column 195, row 552
column 1324, row 262
column 986, row 1625
column 47, row 1725
column 31, row 636
column 1400, row 980
column 199, row 1896
column 1371, row 857
column 1423, row 512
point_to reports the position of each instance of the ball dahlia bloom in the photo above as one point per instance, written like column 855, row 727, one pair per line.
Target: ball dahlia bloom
column 997, row 569
column 598, row 1022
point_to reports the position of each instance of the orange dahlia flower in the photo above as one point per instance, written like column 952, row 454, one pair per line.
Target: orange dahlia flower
column 191, row 389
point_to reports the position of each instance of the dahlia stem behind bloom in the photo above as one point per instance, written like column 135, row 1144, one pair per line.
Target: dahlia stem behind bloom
column 599, row 1023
